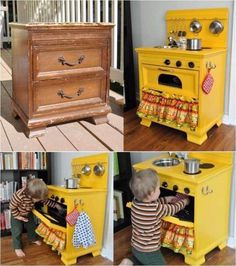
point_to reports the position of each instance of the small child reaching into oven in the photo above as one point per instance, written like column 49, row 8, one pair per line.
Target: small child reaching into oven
column 21, row 205
column 147, row 210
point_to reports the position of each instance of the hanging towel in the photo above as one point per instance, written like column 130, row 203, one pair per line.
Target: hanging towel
column 83, row 234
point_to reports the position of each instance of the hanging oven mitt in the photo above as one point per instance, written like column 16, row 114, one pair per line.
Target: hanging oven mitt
column 72, row 217
column 208, row 82
column 83, row 234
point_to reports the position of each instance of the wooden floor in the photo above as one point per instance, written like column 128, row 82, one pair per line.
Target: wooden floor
column 162, row 138
column 81, row 135
column 41, row 255
column 123, row 250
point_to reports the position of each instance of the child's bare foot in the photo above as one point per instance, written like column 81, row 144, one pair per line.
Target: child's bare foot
column 39, row 243
column 126, row 262
column 19, row 253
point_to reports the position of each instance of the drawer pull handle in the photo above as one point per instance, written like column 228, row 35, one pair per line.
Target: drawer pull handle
column 166, row 70
column 63, row 95
column 62, row 60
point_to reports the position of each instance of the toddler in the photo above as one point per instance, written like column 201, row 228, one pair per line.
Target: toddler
column 146, row 213
column 21, row 205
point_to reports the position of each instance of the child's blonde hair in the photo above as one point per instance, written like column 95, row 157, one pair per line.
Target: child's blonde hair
column 37, row 189
column 143, row 183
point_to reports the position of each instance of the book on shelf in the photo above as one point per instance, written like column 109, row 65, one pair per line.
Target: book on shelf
column 118, row 196
column 23, row 160
column 5, row 218
column 7, row 189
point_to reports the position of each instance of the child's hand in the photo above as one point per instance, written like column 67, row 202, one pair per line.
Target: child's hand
column 21, row 218
column 187, row 201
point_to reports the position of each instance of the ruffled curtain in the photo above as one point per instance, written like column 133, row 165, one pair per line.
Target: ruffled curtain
column 168, row 108
column 55, row 238
column 178, row 238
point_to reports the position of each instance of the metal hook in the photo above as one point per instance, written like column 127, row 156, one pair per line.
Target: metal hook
column 210, row 65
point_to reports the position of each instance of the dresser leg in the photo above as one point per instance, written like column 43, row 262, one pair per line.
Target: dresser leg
column 196, row 139
column 146, row 122
column 35, row 132
column 222, row 245
column 68, row 261
column 96, row 253
column 97, row 120
column 219, row 122
column 194, row 261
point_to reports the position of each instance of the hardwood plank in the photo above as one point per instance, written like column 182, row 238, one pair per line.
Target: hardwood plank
column 81, row 138
column 14, row 128
column 107, row 134
column 41, row 255
column 117, row 122
column 4, row 73
column 162, row 138
column 54, row 140
column 7, row 57
column 122, row 249
column 4, row 143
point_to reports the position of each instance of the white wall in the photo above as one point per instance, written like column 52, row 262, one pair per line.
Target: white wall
column 142, row 156
column 61, row 169
column 149, row 29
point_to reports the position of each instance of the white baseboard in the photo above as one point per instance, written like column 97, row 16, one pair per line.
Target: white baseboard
column 228, row 121
column 107, row 253
column 231, row 242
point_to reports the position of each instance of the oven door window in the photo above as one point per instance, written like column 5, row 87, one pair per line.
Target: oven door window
column 171, row 80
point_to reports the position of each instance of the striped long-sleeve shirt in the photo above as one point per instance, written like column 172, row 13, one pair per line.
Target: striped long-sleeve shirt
column 22, row 204
column 146, row 222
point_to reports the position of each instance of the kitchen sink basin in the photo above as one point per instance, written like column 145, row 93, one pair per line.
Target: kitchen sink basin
column 165, row 162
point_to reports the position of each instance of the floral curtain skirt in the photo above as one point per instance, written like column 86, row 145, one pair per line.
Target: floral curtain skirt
column 168, row 108
column 55, row 238
column 178, row 238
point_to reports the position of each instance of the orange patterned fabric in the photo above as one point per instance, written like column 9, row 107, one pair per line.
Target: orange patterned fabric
column 55, row 238
column 178, row 238
column 168, row 108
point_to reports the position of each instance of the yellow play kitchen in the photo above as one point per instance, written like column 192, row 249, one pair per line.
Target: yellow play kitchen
column 76, row 228
column 182, row 83
column 206, row 179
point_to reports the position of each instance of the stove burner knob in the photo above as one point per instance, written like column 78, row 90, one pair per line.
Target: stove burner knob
column 186, row 190
column 167, row 62
column 62, row 200
column 56, row 198
column 52, row 197
column 178, row 64
column 175, row 188
column 191, row 64
column 164, row 184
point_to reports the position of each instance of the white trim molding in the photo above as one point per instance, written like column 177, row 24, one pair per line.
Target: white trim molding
column 232, row 82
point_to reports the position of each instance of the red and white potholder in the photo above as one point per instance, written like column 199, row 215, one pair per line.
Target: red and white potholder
column 207, row 83
column 72, row 217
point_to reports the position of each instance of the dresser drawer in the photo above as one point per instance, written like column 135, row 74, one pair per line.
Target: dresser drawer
column 52, row 61
column 73, row 93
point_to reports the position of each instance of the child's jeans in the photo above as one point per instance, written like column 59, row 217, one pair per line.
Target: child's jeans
column 147, row 258
column 17, row 229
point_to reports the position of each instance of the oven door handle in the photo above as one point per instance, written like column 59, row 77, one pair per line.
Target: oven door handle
column 166, row 70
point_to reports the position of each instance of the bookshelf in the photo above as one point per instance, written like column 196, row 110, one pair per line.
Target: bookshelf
column 16, row 168
column 122, row 192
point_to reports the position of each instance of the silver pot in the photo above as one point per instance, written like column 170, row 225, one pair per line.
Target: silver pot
column 71, row 183
column 194, row 44
column 191, row 166
column 195, row 26
column 216, row 27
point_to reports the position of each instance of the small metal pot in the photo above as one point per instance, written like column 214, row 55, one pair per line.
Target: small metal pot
column 71, row 183
column 194, row 44
column 216, row 27
column 191, row 166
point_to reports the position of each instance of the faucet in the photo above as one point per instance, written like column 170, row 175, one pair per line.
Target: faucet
column 179, row 155
column 173, row 42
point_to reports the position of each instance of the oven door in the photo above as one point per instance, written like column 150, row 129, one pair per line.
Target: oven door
column 171, row 80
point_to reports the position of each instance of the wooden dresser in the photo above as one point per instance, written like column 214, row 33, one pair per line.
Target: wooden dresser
column 60, row 73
